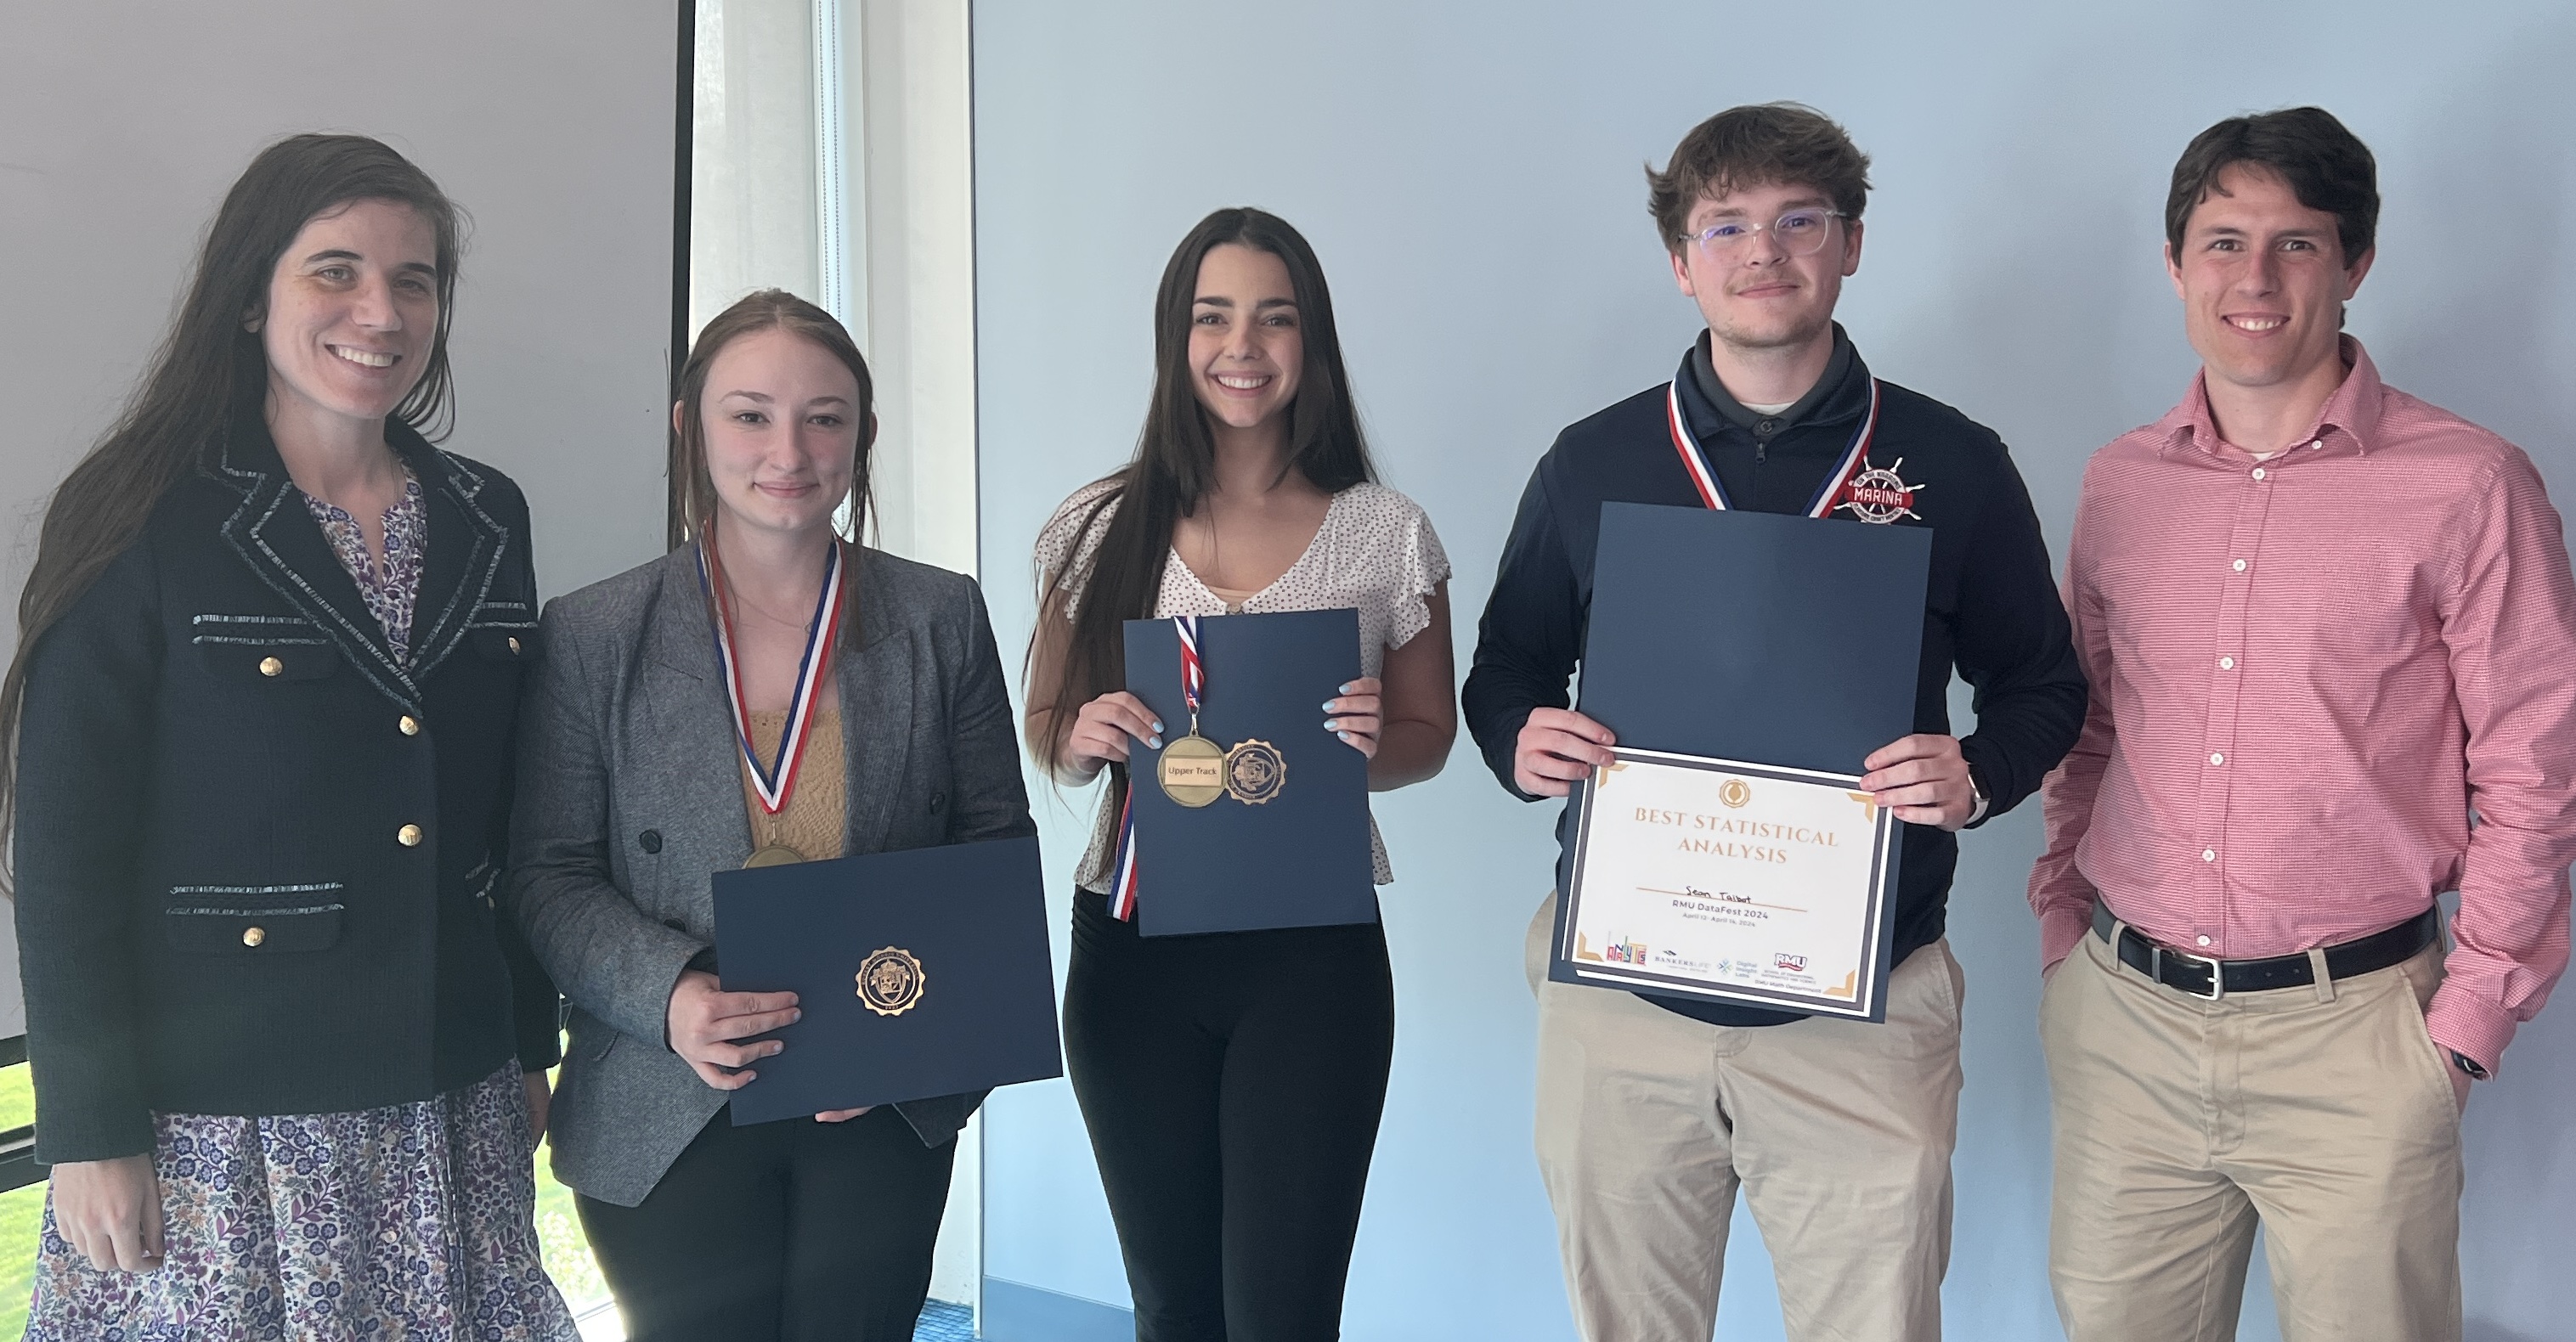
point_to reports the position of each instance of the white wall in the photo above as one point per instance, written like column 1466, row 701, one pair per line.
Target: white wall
column 1470, row 174
column 122, row 124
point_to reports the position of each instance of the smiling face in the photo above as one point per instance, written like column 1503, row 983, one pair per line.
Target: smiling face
column 1758, row 296
column 352, row 312
column 781, row 421
column 2263, row 282
column 1246, row 346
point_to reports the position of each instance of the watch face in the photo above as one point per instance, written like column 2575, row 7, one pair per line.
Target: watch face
column 2469, row 1065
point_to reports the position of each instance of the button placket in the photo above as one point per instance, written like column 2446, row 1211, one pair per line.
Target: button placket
column 2243, row 560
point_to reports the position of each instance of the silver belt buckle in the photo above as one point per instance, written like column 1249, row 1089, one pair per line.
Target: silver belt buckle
column 2217, row 975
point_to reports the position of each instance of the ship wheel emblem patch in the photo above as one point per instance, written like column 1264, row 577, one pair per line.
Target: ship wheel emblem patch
column 1880, row 495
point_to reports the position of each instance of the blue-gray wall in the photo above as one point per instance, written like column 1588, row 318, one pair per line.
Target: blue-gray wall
column 1470, row 175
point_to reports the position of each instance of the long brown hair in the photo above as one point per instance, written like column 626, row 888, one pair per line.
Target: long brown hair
column 693, row 489
column 211, row 370
column 1175, row 462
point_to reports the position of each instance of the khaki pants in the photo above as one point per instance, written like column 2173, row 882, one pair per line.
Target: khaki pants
column 2324, row 1113
column 1839, row 1133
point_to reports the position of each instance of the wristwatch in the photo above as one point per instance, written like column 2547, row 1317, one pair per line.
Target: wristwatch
column 1978, row 791
column 2469, row 1065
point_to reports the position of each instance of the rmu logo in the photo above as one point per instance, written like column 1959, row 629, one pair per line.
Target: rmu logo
column 1792, row 963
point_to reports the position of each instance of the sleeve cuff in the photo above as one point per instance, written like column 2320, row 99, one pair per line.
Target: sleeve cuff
column 2465, row 1023
column 2061, row 930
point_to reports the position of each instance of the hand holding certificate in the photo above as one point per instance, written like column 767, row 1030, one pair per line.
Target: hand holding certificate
column 1748, row 664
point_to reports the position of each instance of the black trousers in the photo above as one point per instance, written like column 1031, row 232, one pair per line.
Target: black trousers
column 794, row 1231
column 1232, row 1084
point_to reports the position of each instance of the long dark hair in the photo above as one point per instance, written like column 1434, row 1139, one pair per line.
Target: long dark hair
column 693, row 490
column 1175, row 461
column 210, row 371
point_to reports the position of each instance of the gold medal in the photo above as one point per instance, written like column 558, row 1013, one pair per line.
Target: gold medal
column 773, row 855
column 1255, row 772
column 1192, row 770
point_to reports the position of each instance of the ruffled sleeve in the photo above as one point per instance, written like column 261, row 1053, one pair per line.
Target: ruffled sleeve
column 1065, row 545
column 1419, row 566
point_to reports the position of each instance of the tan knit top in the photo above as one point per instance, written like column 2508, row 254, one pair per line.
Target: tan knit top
column 816, row 814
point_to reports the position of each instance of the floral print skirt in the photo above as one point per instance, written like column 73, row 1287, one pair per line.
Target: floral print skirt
column 411, row 1223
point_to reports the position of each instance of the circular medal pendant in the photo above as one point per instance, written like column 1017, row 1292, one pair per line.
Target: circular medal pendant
column 1255, row 772
column 773, row 855
column 1192, row 771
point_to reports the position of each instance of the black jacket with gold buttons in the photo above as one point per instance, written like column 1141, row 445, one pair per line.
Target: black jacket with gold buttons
column 257, row 855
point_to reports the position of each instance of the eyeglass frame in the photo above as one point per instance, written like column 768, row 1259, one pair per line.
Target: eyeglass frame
column 1701, row 238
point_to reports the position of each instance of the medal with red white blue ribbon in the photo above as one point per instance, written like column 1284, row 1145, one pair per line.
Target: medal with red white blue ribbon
column 1851, row 484
column 1191, row 770
column 773, row 783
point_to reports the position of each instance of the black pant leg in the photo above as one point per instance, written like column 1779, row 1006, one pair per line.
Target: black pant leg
column 864, row 1201
column 1145, row 1070
column 1305, row 1084
column 703, row 1259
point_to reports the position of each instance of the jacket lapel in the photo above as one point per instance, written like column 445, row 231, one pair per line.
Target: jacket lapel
column 461, row 555
column 694, row 747
column 274, row 533
column 876, row 711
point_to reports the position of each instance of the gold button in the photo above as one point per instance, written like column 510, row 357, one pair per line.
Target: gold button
column 514, row 645
column 410, row 725
column 270, row 666
column 252, row 936
column 409, row 835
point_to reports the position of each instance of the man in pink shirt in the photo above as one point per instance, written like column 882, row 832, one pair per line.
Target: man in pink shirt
column 2326, row 625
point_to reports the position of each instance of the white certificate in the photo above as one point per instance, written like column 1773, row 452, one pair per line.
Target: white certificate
column 1738, row 882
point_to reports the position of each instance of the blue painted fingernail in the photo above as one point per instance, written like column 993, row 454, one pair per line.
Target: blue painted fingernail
column 1155, row 741
column 1328, row 705
column 1346, row 689
column 1346, row 736
column 1158, row 724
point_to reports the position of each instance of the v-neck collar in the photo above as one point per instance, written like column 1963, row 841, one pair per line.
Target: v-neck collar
column 1314, row 545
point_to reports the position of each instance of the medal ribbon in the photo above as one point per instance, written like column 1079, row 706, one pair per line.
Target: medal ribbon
column 1122, row 874
column 774, row 783
column 1713, row 494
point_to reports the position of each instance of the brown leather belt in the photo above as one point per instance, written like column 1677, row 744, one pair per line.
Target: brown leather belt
column 2210, row 978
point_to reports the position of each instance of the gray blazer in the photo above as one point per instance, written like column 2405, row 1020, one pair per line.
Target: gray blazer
column 630, row 795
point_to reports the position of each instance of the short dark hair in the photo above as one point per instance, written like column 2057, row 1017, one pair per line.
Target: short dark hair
column 1764, row 144
column 2325, row 165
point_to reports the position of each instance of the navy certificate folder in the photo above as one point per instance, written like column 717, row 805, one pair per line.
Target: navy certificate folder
column 1299, row 859
column 921, row 973
column 1761, row 637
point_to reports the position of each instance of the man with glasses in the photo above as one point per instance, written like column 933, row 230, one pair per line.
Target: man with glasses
column 2326, row 624
column 1653, row 1110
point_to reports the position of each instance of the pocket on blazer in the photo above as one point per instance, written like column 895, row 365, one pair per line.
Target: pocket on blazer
column 248, row 920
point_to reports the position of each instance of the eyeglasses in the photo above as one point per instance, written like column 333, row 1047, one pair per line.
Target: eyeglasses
column 1799, row 233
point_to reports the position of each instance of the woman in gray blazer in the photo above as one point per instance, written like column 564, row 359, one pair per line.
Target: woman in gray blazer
column 764, row 693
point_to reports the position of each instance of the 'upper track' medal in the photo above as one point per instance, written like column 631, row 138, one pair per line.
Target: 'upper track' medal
column 1193, row 768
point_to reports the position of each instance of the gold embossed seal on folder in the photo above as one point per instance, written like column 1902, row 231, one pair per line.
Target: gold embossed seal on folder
column 890, row 981
column 1193, row 770
column 1255, row 772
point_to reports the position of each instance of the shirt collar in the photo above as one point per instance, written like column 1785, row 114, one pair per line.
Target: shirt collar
column 1841, row 395
column 2350, row 416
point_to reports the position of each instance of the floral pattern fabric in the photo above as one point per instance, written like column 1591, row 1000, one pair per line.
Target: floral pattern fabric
column 411, row 1223
column 390, row 591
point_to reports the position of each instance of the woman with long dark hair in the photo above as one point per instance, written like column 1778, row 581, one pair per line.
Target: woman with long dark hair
column 1233, row 1082
column 289, row 1057
column 769, row 691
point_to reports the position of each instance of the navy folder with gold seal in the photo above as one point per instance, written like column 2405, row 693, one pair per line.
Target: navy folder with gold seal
column 921, row 973
column 1290, row 850
column 1762, row 637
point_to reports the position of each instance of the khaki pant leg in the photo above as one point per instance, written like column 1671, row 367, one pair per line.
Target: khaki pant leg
column 2351, row 1154
column 1635, row 1155
column 2147, row 1240
column 1843, row 1136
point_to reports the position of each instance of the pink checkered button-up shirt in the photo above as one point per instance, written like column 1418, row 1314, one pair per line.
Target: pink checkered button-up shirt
column 2306, row 673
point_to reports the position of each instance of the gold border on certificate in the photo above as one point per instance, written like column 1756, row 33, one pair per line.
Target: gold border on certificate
column 1728, row 829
